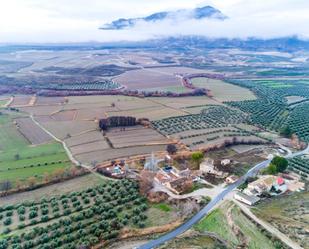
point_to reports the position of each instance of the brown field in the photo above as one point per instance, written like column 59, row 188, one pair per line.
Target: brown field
column 61, row 129
column 74, row 122
column 180, row 70
column 87, row 137
column 64, row 115
column 100, row 145
column 41, row 110
column 44, row 118
column 147, row 78
column 93, row 113
column 156, row 78
column 104, row 100
column 49, row 100
column 33, row 133
column 21, row 101
column 134, row 137
column 153, row 113
column 136, row 104
column 185, row 102
column 76, row 184
column 223, row 91
column 110, row 154
column 218, row 141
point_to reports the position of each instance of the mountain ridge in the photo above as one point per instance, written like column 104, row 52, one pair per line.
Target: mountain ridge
column 197, row 14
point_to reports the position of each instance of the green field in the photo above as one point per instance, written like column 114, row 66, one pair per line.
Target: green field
column 217, row 222
column 19, row 160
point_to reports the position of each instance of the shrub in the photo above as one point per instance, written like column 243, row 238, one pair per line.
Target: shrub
column 44, row 211
column 67, row 211
column 21, row 217
column 6, row 230
column 21, row 225
column 33, row 214
column 9, row 213
column 44, row 218
column 7, row 221
column 33, row 222
column 21, row 210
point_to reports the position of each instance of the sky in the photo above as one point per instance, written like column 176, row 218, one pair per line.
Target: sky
column 54, row 21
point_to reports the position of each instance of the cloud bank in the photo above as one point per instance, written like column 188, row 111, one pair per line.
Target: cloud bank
column 78, row 20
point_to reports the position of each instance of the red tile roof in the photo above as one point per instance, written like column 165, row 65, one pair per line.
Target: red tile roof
column 280, row 180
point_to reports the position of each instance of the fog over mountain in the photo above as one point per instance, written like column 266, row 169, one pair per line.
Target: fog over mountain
column 181, row 15
column 56, row 21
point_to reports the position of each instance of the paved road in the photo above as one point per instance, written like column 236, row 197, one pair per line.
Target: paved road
column 215, row 201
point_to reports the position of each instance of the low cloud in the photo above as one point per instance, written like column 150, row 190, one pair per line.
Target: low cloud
column 79, row 20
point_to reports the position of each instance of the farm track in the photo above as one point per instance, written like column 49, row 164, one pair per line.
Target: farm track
column 7, row 104
column 68, row 152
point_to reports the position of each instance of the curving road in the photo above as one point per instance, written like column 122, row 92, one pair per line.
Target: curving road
column 204, row 211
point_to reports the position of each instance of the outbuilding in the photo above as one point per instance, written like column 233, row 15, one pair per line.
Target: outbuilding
column 249, row 200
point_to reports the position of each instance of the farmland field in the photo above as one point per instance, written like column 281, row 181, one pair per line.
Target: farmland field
column 32, row 132
column 215, row 116
column 84, row 138
column 273, row 110
column 223, row 91
column 85, row 217
column 124, row 153
column 134, row 137
column 75, row 184
column 144, row 78
column 65, row 129
column 49, row 101
column 100, row 145
column 19, row 160
column 20, row 101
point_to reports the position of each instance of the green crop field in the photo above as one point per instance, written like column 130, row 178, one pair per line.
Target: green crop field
column 19, row 160
column 224, row 220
